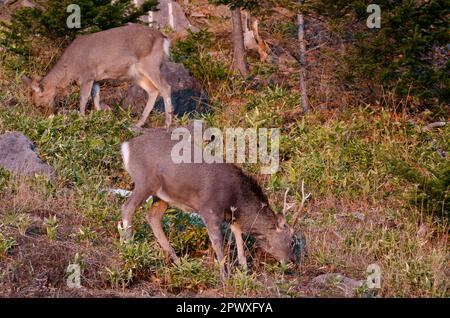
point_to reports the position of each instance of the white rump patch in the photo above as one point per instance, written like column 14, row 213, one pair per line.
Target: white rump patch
column 125, row 149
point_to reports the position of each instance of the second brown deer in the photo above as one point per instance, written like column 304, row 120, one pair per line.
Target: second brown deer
column 219, row 192
column 132, row 52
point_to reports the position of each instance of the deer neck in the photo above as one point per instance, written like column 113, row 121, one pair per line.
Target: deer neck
column 255, row 217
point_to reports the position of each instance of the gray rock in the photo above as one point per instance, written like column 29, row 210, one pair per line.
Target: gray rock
column 9, row 6
column 187, row 93
column 360, row 216
column 334, row 280
column 17, row 154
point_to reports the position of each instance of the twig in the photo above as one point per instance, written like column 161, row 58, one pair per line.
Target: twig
column 316, row 47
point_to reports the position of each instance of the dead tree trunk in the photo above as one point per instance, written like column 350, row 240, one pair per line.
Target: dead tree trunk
column 239, row 63
column 301, row 39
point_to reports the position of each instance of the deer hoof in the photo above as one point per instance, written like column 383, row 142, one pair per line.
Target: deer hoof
column 126, row 234
column 223, row 273
column 137, row 129
column 175, row 259
column 105, row 107
column 168, row 122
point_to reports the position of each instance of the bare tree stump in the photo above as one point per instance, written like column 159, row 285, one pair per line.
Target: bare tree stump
column 239, row 63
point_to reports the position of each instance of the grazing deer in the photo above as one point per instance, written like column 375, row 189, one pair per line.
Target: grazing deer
column 133, row 52
column 217, row 191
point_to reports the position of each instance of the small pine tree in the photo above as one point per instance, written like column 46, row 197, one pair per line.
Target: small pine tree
column 403, row 55
column 51, row 21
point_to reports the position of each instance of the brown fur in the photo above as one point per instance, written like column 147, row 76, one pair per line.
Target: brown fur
column 132, row 52
column 218, row 192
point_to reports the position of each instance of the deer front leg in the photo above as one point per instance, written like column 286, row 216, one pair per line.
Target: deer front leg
column 166, row 93
column 85, row 92
column 236, row 229
column 215, row 235
column 168, row 108
column 154, row 218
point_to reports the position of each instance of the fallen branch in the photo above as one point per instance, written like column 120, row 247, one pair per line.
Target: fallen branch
column 434, row 125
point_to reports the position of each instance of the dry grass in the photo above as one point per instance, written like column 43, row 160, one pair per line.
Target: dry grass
column 362, row 211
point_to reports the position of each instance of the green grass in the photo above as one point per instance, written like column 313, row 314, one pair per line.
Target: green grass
column 6, row 243
column 190, row 274
column 362, row 160
column 349, row 159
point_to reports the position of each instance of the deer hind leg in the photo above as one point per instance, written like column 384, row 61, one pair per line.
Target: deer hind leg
column 152, row 96
column 85, row 92
column 128, row 209
column 96, row 97
column 166, row 92
column 154, row 218
column 236, row 229
column 153, row 74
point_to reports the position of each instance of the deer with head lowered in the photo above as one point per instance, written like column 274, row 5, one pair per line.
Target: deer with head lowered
column 132, row 52
column 219, row 192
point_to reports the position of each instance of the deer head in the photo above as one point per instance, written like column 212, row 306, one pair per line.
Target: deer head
column 279, row 240
column 38, row 94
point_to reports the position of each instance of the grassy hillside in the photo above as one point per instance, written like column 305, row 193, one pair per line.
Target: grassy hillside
column 379, row 194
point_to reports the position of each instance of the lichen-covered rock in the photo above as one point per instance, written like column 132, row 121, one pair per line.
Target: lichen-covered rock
column 17, row 155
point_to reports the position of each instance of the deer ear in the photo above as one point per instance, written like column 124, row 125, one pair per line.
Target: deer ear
column 36, row 87
column 26, row 80
column 33, row 84
column 281, row 222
